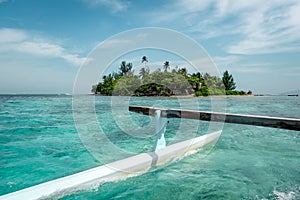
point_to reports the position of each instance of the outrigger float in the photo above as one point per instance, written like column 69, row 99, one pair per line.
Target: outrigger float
column 141, row 163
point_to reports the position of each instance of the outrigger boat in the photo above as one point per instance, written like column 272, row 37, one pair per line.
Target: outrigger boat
column 131, row 166
column 141, row 163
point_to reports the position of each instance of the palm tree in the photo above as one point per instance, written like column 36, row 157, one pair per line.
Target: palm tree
column 166, row 66
column 125, row 68
column 144, row 60
column 183, row 71
column 144, row 72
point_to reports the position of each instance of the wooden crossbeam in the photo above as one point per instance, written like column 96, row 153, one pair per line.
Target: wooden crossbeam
column 275, row 122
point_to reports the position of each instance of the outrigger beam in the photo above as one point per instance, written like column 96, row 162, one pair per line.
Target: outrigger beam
column 256, row 120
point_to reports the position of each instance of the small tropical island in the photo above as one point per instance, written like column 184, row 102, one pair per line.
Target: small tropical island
column 164, row 82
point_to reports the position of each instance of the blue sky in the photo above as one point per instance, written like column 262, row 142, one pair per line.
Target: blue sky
column 43, row 43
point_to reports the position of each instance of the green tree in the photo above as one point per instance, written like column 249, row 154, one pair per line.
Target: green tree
column 127, row 85
column 144, row 73
column 144, row 60
column 205, row 91
column 164, row 83
column 125, row 68
column 228, row 81
column 183, row 72
column 166, row 66
column 108, row 85
column 94, row 89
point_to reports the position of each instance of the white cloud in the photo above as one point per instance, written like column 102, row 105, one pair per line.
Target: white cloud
column 252, row 68
column 225, row 60
column 49, row 50
column 2, row 1
column 252, row 27
column 113, row 43
column 193, row 5
column 237, row 64
column 44, row 49
column 12, row 35
column 21, row 41
column 114, row 5
column 270, row 28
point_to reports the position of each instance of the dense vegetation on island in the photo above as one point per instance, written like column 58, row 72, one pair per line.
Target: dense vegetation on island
column 164, row 82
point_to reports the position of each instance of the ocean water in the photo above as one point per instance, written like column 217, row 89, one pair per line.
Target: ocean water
column 39, row 142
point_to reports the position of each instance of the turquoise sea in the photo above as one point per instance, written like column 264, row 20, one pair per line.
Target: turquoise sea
column 39, row 142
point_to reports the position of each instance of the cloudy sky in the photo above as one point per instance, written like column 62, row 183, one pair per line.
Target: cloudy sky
column 43, row 43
